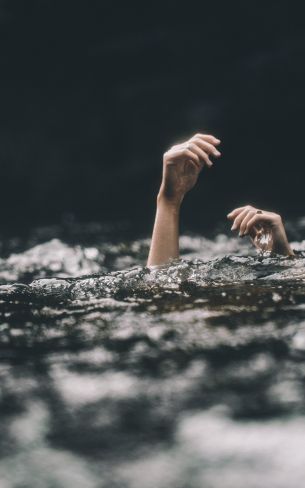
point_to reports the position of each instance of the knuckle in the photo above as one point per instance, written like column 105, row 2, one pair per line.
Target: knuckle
column 169, row 152
column 196, row 140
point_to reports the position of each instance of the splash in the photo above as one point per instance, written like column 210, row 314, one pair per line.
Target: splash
column 61, row 262
column 136, row 377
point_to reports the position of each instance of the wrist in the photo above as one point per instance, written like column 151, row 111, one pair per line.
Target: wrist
column 173, row 202
column 280, row 242
column 170, row 205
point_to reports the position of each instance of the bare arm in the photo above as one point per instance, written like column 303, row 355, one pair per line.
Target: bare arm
column 165, row 239
column 250, row 221
column 181, row 167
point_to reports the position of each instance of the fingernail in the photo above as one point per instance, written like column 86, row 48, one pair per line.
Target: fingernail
column 217, row 153
column 233, row 227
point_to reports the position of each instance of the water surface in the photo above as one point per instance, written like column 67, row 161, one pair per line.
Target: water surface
column 184, row 376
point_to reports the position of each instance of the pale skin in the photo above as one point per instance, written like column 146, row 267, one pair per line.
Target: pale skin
column 182, row 165
column 250, row 221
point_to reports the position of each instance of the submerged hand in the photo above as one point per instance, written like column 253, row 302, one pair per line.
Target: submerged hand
column 250, row 221
column 182, row 165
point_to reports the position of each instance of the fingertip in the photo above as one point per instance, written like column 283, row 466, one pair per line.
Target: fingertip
column 208, row 163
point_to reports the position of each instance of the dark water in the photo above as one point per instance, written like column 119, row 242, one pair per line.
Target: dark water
column 113, row 375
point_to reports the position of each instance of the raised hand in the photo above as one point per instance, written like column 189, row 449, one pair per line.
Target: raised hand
column 183, row 163
column 256, row 223
column 181, row 167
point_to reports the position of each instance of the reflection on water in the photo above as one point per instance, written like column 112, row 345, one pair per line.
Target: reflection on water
column 187, row 376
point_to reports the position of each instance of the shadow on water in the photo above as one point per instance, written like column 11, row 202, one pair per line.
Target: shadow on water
column 114, row 375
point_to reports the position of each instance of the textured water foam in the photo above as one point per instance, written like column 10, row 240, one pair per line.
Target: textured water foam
column 115, row 375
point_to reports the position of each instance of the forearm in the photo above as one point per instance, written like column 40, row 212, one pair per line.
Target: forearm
column 165, row 239
column 280, row 242
column 181, row 167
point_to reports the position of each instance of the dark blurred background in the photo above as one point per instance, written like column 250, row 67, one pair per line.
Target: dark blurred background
column 93, row 92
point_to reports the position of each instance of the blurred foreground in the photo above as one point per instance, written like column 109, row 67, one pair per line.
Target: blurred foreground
column 186, row 376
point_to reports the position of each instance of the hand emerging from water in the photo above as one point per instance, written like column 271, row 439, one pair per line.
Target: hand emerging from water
column 256, row 223
column 182, row 165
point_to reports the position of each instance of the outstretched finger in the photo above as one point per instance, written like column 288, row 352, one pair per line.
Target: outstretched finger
column 192, row 156
column 206, row 146
column 240, row 217
column 232, row 215
column 202, row 155
column 209, row 138
column 243, row 225
column 182, row 152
